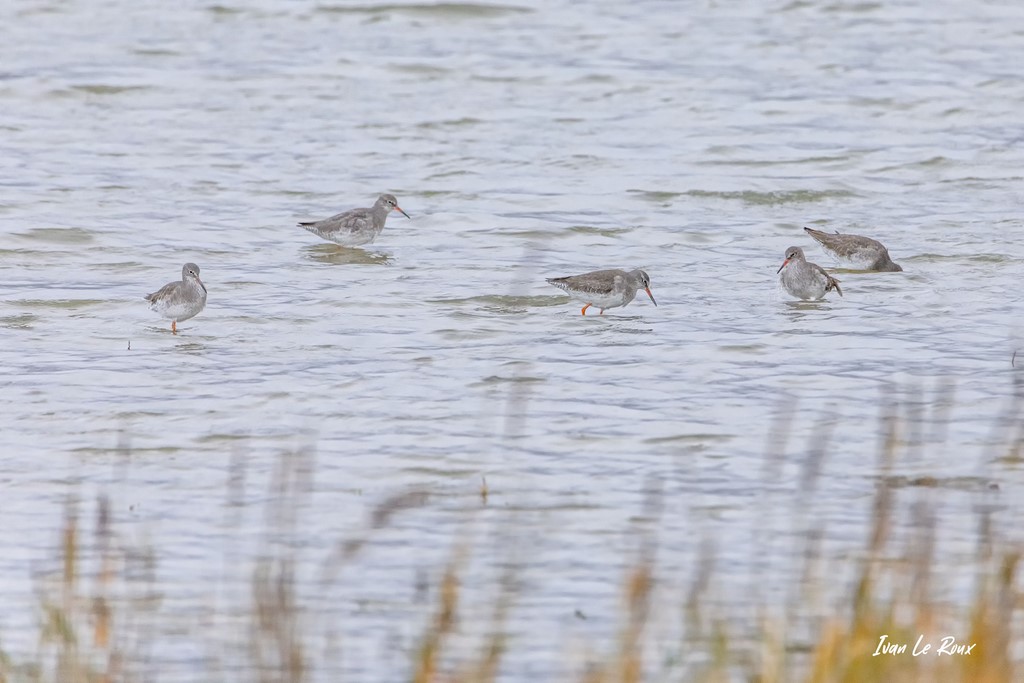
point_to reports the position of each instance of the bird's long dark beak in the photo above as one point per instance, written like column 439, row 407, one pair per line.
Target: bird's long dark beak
column 399, row 210
column 782, row 266
column 648, row 290
column 201, row 284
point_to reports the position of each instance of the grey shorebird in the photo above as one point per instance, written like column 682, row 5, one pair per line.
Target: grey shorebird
column 605, row 288
column 805, row 280
column 181, row 300
column 356, row 227
column 854, row 251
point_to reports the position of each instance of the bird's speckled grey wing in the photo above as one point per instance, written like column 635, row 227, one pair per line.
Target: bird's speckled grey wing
column 356, row 220
column 597, row 282
column 859, row 251
column 163, row 293
column 846, row 246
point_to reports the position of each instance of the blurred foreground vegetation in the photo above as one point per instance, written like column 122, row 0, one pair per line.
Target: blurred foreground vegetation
column 95, row 612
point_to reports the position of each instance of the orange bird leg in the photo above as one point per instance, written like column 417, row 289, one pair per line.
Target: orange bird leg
column 584, row 311
column 174, row 327
column 602, row 312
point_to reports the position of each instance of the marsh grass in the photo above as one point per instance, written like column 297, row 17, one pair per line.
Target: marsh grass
column 96, row 612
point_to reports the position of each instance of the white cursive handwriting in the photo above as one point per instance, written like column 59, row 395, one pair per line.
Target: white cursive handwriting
column 949, row 646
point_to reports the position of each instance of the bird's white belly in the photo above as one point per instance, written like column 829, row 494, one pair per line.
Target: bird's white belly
column 351, row 239
column 858, row 260
column 612, row 300
column 178, row 311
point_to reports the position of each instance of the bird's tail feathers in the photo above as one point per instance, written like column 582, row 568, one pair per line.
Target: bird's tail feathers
column 834, row 284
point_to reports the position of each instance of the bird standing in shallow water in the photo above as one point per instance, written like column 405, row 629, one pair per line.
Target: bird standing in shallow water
column 179, row 301
column 605, row 288
column 805, row 280
column 855, row 252
column 358, row 226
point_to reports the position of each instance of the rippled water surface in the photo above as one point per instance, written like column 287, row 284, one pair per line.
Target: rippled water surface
column 527, row 140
